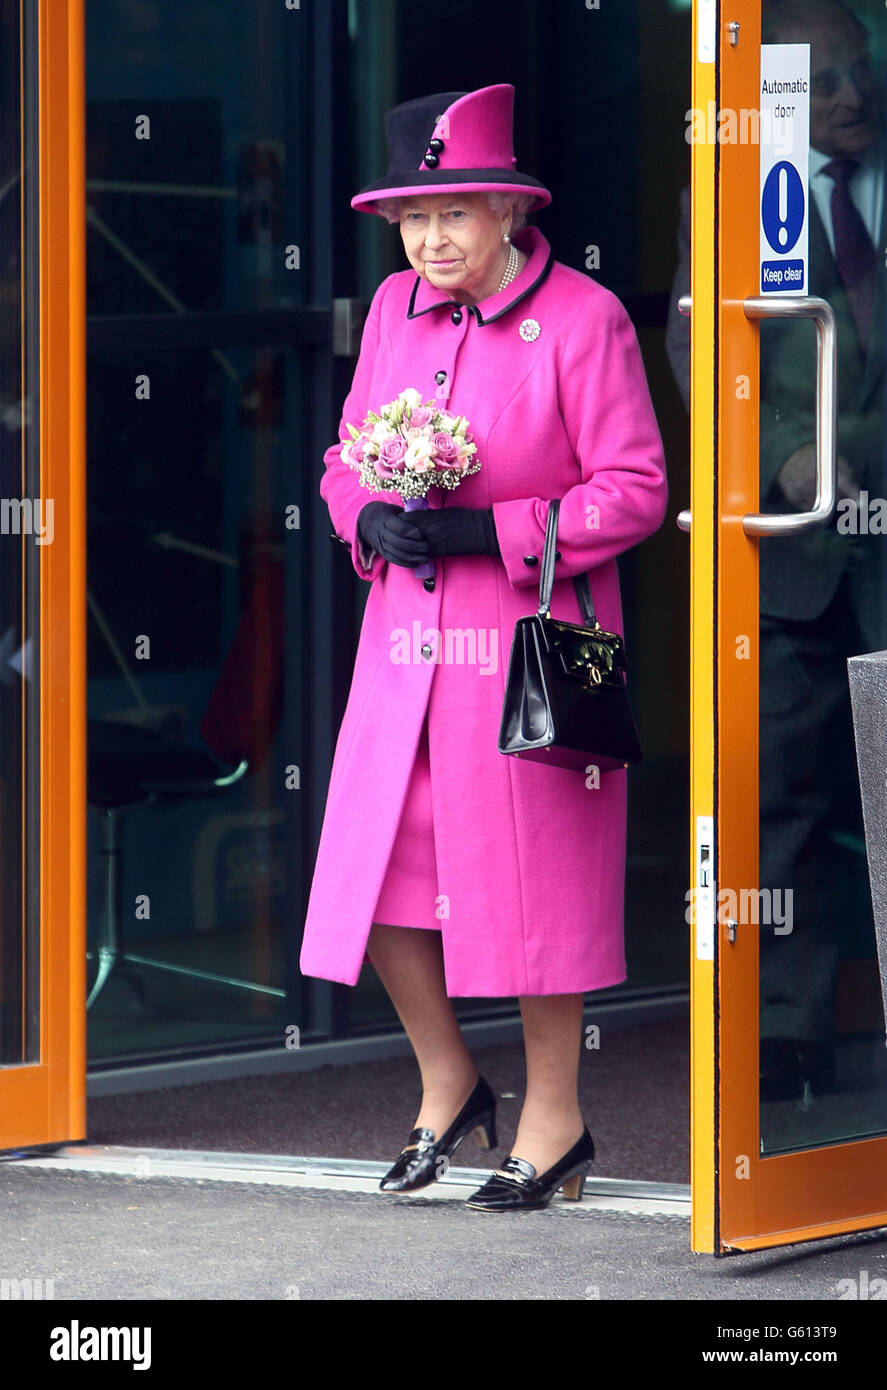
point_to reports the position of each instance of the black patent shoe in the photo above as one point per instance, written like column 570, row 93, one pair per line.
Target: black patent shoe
column 425, row 1158
column 515, row 1186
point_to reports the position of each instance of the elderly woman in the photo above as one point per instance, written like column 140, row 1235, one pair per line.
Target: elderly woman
column 457, row 871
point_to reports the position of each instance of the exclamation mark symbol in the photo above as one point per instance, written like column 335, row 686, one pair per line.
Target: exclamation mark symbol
column 783, row 206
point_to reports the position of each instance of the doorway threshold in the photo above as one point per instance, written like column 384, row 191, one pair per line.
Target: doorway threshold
column 335, row 1175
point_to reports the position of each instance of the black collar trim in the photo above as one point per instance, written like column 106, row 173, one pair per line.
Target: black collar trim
column 414, row 313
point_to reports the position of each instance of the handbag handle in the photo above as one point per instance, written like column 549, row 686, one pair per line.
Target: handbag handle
column 546, row 575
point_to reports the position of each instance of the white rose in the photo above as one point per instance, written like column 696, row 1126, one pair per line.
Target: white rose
column 418, row 455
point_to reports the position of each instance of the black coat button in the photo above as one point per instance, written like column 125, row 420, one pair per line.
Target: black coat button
column 531, row 559
column 557, row 555
column 431, row 161
column 436, row 146
column 440, row 378
column 456, row 316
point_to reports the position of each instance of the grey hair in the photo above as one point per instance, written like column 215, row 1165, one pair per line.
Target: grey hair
column 520, row 203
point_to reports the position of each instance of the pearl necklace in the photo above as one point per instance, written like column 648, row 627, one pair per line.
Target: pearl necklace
column 510, row 269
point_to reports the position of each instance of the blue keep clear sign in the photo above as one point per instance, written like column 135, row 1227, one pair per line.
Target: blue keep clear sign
column 785, row 146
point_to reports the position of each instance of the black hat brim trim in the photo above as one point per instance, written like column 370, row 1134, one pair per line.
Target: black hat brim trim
column 393, row 184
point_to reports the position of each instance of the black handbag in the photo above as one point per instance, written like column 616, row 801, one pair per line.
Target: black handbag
column 565, row 697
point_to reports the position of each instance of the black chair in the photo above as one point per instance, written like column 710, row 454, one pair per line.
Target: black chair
column 127, row 766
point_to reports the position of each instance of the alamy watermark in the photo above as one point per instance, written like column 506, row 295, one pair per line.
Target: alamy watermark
column 27, row 1290
column 17, row 516
column 462, row 646
column 862, row 516
column 763, row 907
column 748, row 125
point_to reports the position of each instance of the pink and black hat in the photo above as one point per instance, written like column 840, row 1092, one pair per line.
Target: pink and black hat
column 452, row 142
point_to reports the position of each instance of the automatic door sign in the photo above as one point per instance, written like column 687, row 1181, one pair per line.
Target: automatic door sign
column 785, row 145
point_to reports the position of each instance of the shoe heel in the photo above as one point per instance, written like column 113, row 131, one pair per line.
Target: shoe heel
column 574, row 1187
column 484, row 1135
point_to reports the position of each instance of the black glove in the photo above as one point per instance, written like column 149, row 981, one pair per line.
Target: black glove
column 458, row 530
column 389, row 530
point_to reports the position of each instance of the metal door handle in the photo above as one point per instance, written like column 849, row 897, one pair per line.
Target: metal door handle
column 807, row 307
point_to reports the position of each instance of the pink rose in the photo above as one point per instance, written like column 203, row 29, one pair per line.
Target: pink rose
column 447, row 450
column 356, row 451
column 391, row 456
column 420, row 417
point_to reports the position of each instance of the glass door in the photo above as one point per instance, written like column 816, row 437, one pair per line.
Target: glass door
column 42, row 891
column 211, row 354
column 790, row 1069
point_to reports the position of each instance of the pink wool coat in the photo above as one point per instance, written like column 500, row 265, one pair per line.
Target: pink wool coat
column 530, row 859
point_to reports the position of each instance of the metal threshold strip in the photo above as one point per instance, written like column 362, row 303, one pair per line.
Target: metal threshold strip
column 332, row 1174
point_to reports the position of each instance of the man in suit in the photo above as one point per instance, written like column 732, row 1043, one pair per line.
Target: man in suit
column 822, row 595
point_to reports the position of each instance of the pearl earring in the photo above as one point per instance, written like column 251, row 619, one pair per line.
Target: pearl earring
column 506, row 237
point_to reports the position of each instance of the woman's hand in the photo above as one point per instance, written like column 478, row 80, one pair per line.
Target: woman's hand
column 391, row 531
column 797, row 478
column 458, row 530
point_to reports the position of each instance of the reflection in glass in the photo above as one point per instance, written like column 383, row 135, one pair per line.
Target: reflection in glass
column 21, row 510
column 823, row 597
column 186, row 745
column 198, row 440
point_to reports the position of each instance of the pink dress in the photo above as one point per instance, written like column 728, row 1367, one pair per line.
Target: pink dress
column 408, row 896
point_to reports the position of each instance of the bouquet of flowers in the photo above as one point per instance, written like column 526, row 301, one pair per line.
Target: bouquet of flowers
column 410, row 446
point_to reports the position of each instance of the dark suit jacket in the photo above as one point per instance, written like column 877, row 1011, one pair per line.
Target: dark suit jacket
column 799, row 576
